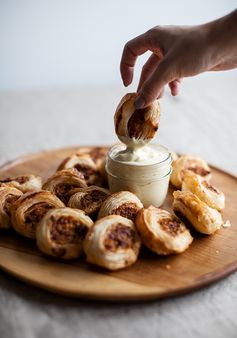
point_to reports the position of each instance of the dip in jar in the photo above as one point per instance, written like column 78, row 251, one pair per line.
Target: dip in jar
column 145, row 171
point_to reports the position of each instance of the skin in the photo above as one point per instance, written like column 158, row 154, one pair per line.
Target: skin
column 178, row 52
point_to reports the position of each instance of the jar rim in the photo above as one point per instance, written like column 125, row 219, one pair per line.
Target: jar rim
column 140, row 165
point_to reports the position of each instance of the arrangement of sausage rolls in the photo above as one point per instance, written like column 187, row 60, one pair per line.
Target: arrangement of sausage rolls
column 60, row 214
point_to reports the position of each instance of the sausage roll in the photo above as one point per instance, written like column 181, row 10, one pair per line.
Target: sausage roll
column 61, row 232
column 203, row 218
column 89, row 199
column 203, row 190
column 138, row 124
column 85, row 165
column 112, row 243
column 123, row 203
column 194, row 164
column 162, row 232
column 8, row 195
column 24, row 183
column 97, row 154
column 30, row 208
column 63, row 181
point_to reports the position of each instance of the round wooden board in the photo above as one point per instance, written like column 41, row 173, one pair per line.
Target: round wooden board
column 208, row 259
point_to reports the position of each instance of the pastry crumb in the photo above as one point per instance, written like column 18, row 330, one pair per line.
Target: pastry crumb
column 227, row 224
column 217, row 251
column 168, row 267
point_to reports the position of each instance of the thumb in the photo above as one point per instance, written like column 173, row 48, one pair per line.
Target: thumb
column 152, row 87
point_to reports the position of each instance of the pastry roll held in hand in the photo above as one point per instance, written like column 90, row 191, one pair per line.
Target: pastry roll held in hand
column 162, row 232
column 203, row 218
column 63, row 181
column 123, row 203
column 61, row 232
column 85, row 165
column 203, row 190
column 194, row 164
column 30, row 208
column 132, row 124
column 8, row 195
column 88, row 199
column 24, row 183
column 112, row 243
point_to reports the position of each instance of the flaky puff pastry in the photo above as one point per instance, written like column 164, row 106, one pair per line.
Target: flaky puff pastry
column 192, row 163
column 112, row 243
column 162, row 232
column 61, row 232
column 133, row 124
column 203, row 218
column 88, row 199
column 85, row 165
column 207, row 193
column 24, row 183
column 63, row 181
column 123, row 203
column 30, row 208
column 8, row 195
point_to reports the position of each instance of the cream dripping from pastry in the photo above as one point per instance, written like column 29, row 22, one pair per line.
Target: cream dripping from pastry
column 136, row 165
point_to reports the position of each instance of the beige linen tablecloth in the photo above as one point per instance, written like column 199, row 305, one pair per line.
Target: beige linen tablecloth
column 201, row 121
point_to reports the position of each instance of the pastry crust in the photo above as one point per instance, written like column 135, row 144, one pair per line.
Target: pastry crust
column 25, row 183
column 30, row 208
column 203, row 218
column 61, row 232
column 162, row 232
column 89, row 199
column 112, row 243
column 8, row 195
column 206, row 192
column 63, row 181
column 123, row 203
column 192, row 163
column 85, row 165
column 136, row 124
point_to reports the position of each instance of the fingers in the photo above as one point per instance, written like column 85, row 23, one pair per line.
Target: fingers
column 148, row 69
column 152, row 87
column 174, row 87
column 132, row 50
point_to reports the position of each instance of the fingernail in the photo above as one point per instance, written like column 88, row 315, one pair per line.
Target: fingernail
column 139, row 103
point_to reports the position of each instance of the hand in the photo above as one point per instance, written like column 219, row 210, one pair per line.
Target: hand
column 177, row 52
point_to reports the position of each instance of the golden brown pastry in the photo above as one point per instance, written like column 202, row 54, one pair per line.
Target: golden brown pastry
column 85, row 165
column 203, row 218
column 8, row 195
column 112, row 243
column 123, row 203
column 30, row 208
column 138, row 124
column 194, row 164
column 203, row 190
column 88, row 199
column 61, row 232
column 24, row 183
column 97, row 154
column 63, row 181
column 162, row 232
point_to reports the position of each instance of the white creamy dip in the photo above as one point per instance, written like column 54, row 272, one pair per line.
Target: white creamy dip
column 145, row 171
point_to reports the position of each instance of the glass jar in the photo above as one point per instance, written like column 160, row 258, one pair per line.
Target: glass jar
column 148, row 181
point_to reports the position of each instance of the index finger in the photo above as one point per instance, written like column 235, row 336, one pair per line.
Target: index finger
column 131, row 51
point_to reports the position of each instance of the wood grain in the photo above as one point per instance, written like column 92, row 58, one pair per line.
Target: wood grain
column 208, row 259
